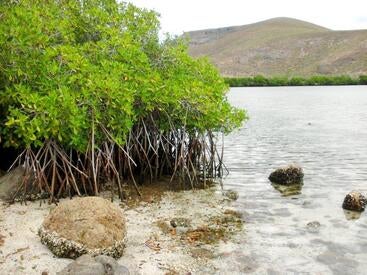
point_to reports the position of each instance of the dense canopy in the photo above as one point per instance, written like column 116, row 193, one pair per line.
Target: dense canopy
column 78, row 76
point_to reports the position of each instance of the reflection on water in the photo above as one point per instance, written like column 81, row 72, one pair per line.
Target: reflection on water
column 324, row 130
column 288, row 190
column 352, row 215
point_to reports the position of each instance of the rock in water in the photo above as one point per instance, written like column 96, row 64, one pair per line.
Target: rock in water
column 89, row 225
column 288, row 175
column 355, row 201
column 100, row 265
column 232, row 195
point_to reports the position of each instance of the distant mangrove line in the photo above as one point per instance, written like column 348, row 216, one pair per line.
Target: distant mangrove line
column 261, row 81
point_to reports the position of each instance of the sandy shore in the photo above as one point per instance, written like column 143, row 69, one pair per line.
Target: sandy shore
column 153, row 247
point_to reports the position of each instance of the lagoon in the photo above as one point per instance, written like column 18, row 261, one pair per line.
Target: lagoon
column 323, row 129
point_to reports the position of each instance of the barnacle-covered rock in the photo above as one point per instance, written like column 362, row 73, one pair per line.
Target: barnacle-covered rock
column 355, row 201
column 291, row 174
column 89, row 225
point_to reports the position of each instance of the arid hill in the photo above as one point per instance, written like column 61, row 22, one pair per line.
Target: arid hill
column 282, row 47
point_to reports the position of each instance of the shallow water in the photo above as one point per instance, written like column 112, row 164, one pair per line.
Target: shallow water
column 324, row 129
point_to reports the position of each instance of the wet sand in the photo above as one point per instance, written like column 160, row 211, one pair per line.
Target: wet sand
column 153, row 246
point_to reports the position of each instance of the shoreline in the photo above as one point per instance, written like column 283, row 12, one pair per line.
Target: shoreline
column 153, row 246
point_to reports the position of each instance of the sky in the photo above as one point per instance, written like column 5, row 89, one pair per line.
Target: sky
column 178, row 16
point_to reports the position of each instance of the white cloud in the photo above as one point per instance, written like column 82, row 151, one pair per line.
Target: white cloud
column 186, row 15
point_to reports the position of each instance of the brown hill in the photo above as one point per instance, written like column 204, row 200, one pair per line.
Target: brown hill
column 282, row 46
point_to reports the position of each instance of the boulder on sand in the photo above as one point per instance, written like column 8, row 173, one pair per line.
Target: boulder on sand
column 291, row 174
column 355, row 201
column 89, row 225
column 10, row 182
column 100, row 265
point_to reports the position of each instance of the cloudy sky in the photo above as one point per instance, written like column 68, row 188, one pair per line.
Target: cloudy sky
column 178, row 16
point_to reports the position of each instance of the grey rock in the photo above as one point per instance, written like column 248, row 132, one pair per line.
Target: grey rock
column 100, row 265
column 313, row 227
column 121, row 270
column 84, row 265
column 108, row 263
column 9, row 183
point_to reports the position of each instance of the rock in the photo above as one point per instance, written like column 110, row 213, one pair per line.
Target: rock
column 313, row 227
column 233, row 212
column 10, row 182
column 232, row 195
column 288, row 175
column 89, row 225
column 100, row 265
column 180, row 222
column 355, row 201
column 110, row 264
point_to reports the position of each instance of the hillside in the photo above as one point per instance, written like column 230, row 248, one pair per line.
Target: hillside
column 282, row 46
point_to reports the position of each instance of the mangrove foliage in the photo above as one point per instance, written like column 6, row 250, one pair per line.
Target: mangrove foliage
column 90, row 96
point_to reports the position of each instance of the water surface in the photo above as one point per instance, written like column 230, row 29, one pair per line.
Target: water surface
column 323, row 129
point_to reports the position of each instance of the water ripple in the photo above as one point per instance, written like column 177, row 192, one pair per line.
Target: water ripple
column 324, row 129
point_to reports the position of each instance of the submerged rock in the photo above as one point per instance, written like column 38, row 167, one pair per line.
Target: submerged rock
column 291, row 174
column 89, row 225
column 313, row 227
column 232, row 195
column 100, row 265
column 355, row 201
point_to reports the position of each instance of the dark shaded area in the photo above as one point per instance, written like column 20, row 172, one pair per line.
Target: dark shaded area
column 7, row 157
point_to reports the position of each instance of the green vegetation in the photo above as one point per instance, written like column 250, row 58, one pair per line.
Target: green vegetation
column 260, row 80
column 90, row 95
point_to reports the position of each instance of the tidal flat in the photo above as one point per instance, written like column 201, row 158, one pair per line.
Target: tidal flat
column 157, row 240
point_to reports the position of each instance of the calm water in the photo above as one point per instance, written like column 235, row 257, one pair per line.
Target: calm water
column 324, row 129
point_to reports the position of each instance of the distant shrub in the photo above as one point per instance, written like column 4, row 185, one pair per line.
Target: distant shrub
column 363, row 80
column 318, row 80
